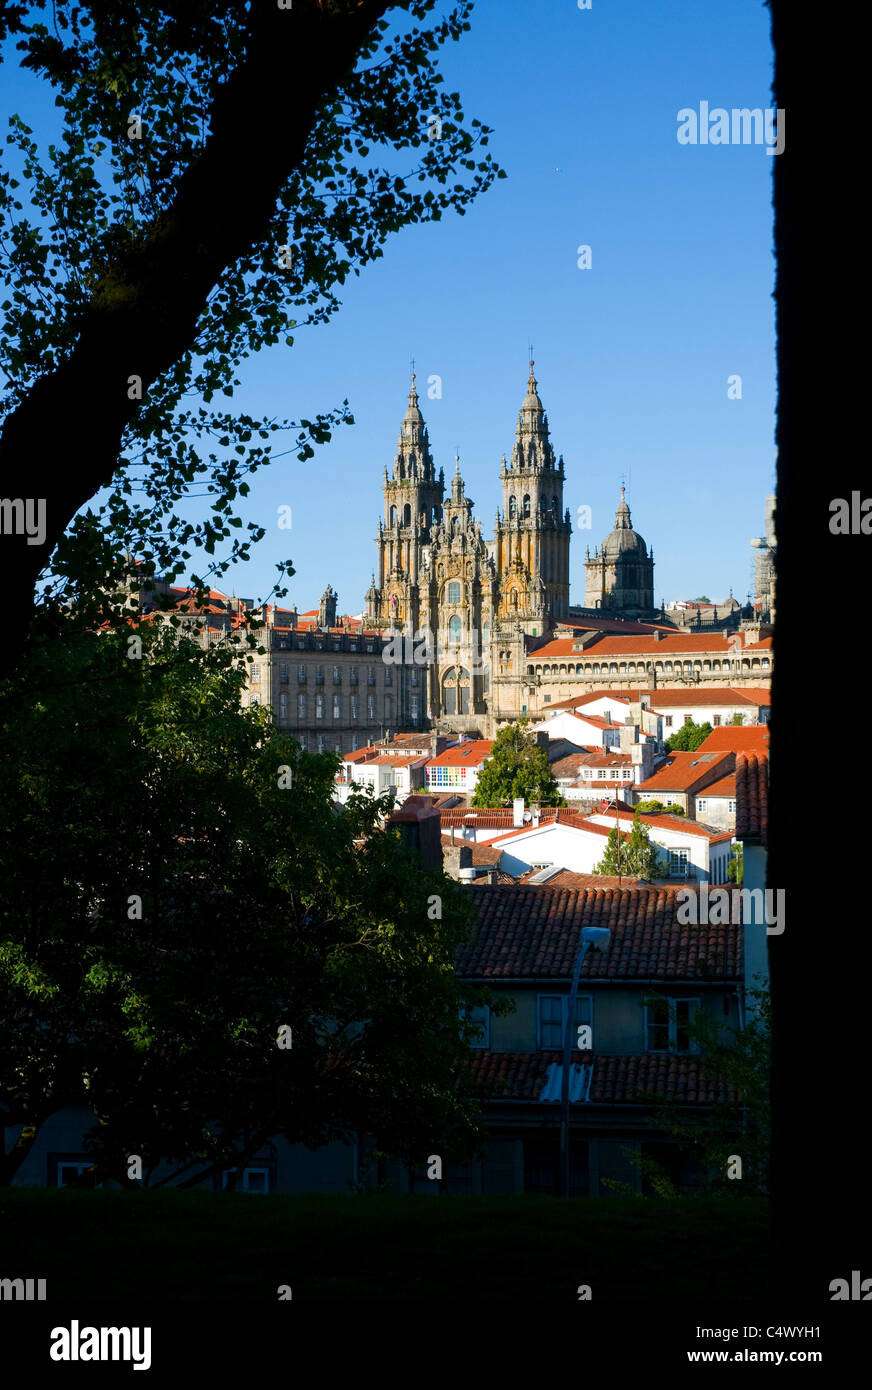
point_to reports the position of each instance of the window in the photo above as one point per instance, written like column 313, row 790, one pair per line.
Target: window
column 716, row 719
column 552, row 1017
column 66, row 1170
column 731, row 808
column 337, row 706
column 678, row 863
column 337, row 677
column 370, row 707
column 688, row 719
column 322, row 743
column 701, row 805
column 319, row 706
column 513, row 506
column 601, row 772
column 453, row 592
column 413, row 709
column 355, row 743
column 251, row 1180
column 255, row 673
column 668, row 721
column 301, row 675
column 353, row 678
column 283, row 675
column 301, row 707
column 370, row 675
column 255, row 700
column 526, row 504
column 319, row 675
column 355, row 706
column 479, row 1015
column 667, row 1025
column 454, row 629
column 283, row 705
column 389, row 676
column 387, row 709
column 547, row 699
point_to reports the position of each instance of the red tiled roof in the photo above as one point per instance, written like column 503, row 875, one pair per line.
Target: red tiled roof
column 726, row 695
column 467, row 754
column 661, row 820
column 725, row 787
column 572, row 820
column 533, row 932
column 752, row 796
column 568, row 879
column 681, row 771
column 736, row 738
column 633, row 1079
column 669, row 643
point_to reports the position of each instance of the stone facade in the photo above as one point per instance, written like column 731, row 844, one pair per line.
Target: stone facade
column 481, row 610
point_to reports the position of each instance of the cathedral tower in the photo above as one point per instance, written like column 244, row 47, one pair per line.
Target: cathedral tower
column 531, row 539
column 412, row 503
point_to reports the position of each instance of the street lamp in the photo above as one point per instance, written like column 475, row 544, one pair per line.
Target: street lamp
column 590, row 936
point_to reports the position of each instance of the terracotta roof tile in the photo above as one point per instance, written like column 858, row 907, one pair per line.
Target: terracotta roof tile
column 736, row 738
column 752, row 796
column 681, row 771
column 624, row 1080
column 532, row 932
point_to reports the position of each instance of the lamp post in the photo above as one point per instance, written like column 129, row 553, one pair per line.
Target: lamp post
column 590, row 936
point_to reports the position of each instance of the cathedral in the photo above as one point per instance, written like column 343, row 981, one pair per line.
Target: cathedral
column 486, row 604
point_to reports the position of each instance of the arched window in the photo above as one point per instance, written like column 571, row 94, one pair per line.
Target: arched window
column 526, row 504
column 407, row 515
column 454, row 592
column 485, row 634
column 555, row 506
column 393, row 516
column 515, row 599
column 454, row 629
column 513, row 507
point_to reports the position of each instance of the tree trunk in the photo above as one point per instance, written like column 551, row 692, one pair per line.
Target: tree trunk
column 63, row 441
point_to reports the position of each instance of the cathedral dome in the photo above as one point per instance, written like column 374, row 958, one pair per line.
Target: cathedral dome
column 623, row 540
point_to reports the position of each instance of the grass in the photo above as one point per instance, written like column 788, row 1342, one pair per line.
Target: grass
column 201, row 1245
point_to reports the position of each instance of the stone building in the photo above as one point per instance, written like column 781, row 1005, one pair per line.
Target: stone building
column 619, row 576
column 325, row 679
column 492, row 618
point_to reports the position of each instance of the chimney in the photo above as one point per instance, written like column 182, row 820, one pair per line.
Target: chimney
column 518, row 812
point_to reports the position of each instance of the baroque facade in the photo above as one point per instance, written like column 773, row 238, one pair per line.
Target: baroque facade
column 477, row 600
column 487, row 617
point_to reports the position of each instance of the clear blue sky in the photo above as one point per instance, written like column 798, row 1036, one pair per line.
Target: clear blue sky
column 632, row 356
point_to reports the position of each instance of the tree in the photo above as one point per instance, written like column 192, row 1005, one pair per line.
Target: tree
column 657, row 808
column 637, row 858
column 736, row 866
column 703, row 598
column 688, row 738
column 737, row 720
column 197, row 205
column 196, row 943
column 517, row 766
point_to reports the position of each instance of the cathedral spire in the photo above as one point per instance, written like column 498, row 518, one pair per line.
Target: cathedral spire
column 532, row 450
column 413, row 458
